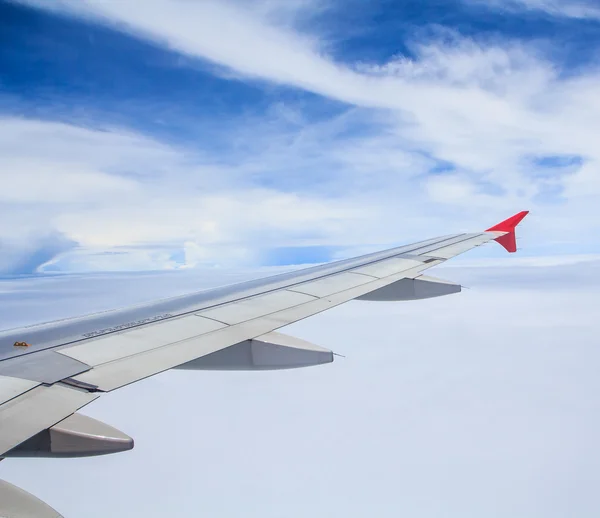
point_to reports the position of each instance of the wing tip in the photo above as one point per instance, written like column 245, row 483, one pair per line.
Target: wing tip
column 509, row 225
column 509, row 239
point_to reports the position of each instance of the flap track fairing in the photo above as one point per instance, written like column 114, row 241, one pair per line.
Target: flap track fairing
column 422, row 287
column 272, row 351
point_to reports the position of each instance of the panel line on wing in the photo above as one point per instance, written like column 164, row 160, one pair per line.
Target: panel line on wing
column 11, row 387
column 372, row 277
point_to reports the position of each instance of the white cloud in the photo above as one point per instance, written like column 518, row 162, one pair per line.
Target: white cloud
column 440, row 406
column 486, row 108
column 518, row 261
column 449, row 189
column 54, row 163
column 581, row 9
column 119, row 196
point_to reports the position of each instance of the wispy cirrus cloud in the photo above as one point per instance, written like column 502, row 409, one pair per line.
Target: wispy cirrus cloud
column 129, row 202
column 578, row 9
column 463, row 127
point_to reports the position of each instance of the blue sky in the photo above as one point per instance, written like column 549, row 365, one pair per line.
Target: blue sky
column 263, row 132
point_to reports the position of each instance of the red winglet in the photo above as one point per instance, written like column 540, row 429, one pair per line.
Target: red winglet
column 509, row 240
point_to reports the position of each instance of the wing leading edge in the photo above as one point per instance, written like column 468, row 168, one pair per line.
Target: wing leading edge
column 70, row 363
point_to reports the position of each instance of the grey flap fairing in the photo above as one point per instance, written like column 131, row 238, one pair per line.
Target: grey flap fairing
column 422, row 287
column 76, row 436
column 18, row 503
column 272, row 351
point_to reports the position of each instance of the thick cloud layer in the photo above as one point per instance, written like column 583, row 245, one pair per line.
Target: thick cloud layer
column 482, row 403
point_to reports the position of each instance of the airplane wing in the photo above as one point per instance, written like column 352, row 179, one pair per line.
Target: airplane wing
column 50, row 371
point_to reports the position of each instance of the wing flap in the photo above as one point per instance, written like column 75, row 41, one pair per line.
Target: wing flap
column 113, row 375
column 131, row 343
column 45, row 367
column 12, row 387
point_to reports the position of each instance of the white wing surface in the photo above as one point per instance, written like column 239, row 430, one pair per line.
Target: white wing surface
column 49, row 371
